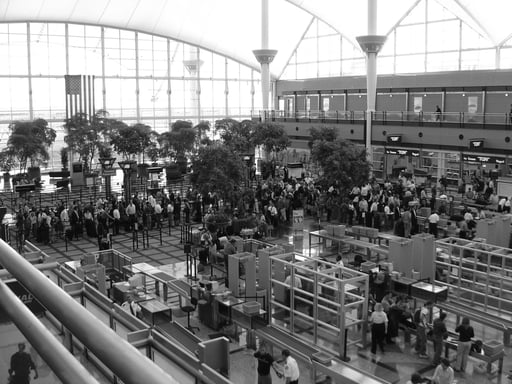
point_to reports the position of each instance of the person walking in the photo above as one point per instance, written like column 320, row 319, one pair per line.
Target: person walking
column 466, row 333
column 265, row 361
column 21, row 364
column 439, row 333
column 421, row 320
column 379, row 325
column 444, row 373
column 291, row 368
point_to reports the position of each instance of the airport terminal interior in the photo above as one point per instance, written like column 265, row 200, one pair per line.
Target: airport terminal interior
column 214, row 191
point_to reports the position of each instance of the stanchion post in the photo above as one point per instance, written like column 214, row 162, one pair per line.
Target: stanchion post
column 345, row 357
column 160, row 230
column 187, row 249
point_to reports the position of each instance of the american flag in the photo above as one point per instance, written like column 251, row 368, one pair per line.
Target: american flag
column 73, row 84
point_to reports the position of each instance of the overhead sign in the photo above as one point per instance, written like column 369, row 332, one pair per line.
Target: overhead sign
column 26, row 297
column 108, row 172
column 476, row 143
column 394, row 139
column 402, row 152
column 483, row 159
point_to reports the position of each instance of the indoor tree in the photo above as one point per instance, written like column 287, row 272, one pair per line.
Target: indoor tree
column 342, row 163
column 178, row 142
column 217, row 169
column 272, row 137
column 238, row 135
column 29, row 141
column 86, row 136
column 131, row 140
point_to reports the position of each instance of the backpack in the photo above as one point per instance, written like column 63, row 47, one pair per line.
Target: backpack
column 417, row 316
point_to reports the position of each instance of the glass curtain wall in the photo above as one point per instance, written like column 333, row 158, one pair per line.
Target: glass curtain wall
column 429, row 39
column 138, row 77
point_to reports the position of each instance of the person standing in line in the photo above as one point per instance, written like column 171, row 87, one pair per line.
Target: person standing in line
column 406, row 219
column 117, row 220
column 444, row 373
column 466, row 333
column 379, row 327
column 439, row 333
column 265, row 361
column 421, row 321
column 21, row 364
column 291, row 368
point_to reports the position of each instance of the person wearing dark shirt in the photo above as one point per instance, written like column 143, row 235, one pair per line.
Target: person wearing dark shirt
column 265, row 361
column 21, row 364
column 466, row 333
column 439, row 333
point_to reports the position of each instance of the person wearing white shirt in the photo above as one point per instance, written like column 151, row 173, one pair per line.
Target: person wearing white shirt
column 132, row 307
column 444, row 373
column 468, row 216
column 297, row 283
column 158, row 214
column 291, row 368
column 64, row 218
column 117, row 220
column 152, row 201
column 433, row 219
column 379, row 327
column 506, row 207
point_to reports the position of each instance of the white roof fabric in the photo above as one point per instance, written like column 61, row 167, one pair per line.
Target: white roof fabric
column 233, row 27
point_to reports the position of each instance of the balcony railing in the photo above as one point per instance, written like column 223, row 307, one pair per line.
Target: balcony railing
column 384, row 117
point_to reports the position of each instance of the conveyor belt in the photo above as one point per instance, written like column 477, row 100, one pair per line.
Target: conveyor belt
column 338, row 370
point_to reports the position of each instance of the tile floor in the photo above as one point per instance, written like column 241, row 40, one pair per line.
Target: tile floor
column 395, row 366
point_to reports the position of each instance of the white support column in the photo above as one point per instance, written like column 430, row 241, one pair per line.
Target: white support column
column 29, row 71
column 103, row 72
column 264, row 56
column 137, row 86
column 371, row 45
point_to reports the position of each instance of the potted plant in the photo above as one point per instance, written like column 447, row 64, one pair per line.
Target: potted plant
column 178, row 142
column 217, row 222
column 29, row 142
column 85, row 136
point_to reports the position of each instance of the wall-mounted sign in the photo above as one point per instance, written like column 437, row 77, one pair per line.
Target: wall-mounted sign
column 394, row 139
column 26, row 297
column 476, row 143
column 418, row 104
column 402, row 152
column 483, row 159
column 472, row 104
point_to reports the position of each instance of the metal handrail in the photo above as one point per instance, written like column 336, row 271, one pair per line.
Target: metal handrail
column 126, row 363
column 67, row 368
column 387, row 116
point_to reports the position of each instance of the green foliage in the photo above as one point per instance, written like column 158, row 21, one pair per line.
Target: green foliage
column 271, row 136
column 238, row 135
column 217, row 168
column 132, row 140
column 29, row 142
column 342, row 162
column 322, row 133
column 86, row 137
column 7, row 160
column 178, row 141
